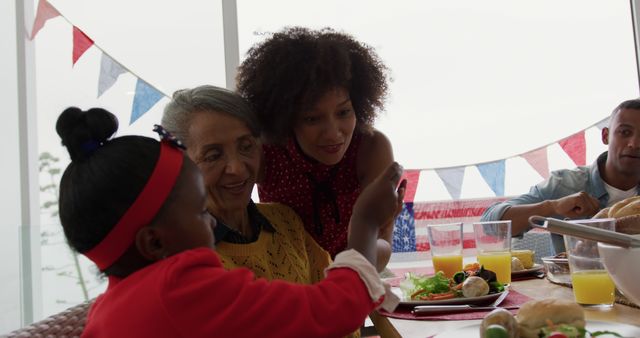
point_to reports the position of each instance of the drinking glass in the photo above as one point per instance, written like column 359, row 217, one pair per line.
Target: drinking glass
column 445, row 241
column 493, row 242
column 592, row 285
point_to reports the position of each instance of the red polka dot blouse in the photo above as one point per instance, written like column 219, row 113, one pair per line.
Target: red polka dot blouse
column 323, row 196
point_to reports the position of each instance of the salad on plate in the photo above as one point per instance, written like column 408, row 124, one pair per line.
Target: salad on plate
column 473, row 281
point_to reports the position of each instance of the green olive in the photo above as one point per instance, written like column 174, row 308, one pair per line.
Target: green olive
column 496, row 331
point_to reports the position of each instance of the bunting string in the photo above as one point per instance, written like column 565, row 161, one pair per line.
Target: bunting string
column 146, row 95
column 493, row 173
column 410, row 230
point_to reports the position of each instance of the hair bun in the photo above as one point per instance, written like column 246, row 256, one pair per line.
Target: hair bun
column 82, row 132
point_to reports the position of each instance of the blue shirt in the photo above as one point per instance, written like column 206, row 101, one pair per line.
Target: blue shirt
column 560, row 184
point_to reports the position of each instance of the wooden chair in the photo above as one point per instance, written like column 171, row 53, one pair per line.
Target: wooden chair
column 537, row 240
column 66, row 324
column 383, row 326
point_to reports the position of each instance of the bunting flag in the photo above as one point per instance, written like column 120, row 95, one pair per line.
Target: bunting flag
column 412, row 177
column 452, row 179
column 493, row 174
column 146, row 97
column 404, row 236
column 81, row 43
column 603, row 123
column 538, row 160
column 44, row 12
column 110, row 70
column 575, row 147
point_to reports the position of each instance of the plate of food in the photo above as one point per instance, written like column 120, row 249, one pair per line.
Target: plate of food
column 597, row 327
column 546, row 318
column 472, row 286
column 479, row 300
column 522, row 263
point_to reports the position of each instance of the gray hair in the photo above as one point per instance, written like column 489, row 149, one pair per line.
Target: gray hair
column 185, row 103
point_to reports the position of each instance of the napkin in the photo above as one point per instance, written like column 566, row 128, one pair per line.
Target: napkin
column 399, row 274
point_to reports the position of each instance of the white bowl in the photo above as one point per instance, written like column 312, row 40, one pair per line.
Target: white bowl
column 624, row 268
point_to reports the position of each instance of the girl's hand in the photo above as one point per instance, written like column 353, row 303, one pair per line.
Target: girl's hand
column 373, row 212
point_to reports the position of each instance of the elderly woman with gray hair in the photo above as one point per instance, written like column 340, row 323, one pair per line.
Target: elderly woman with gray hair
column 222, row 137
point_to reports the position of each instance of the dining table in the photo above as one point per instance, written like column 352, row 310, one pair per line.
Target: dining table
column 535, row 287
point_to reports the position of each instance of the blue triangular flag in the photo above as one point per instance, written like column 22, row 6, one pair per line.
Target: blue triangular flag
column 146, row 96
column 452, row 178
column 109, row 72
column 493, row 174
column 404, row 231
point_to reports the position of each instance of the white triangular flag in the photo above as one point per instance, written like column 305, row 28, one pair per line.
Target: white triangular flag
column 452, row 178
column 110, row 70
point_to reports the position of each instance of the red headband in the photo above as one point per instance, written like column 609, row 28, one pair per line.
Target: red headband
column 142, row 211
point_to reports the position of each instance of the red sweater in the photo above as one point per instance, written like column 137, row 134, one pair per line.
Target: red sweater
column 192, row 295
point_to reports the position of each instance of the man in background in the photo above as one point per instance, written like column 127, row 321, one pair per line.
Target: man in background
column 581, row 192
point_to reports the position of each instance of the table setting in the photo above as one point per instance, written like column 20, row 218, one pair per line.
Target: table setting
column 459, row 317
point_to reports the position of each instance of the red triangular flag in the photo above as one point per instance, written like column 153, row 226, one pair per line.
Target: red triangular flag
column 45, row 12
column 81, row 42
column 412, row 176
column 538, row 160
column 575, row 147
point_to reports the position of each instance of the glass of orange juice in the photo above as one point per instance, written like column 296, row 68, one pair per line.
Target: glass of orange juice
column 592, row 285
column 445, row 241
column 493, row 242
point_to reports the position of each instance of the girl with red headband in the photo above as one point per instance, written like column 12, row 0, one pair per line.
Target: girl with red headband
column 137, row 208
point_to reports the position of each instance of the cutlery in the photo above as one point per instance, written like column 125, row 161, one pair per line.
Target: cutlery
column 430, row 309
column 578, row 230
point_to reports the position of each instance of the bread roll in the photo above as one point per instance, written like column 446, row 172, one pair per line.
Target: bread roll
column 525, row 256
column 604, row 213
column 632, row 208
column 516, row 264
column 613, row 211
column 503, row 318
column 629, row 225
column 626, row 213
column 533, row 315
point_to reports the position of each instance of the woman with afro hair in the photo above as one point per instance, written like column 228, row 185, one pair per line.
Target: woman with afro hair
column 317, row 94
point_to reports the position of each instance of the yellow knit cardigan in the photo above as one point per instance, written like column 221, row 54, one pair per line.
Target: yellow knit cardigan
column 288, row 253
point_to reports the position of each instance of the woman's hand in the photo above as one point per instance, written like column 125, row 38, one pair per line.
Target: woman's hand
column 380, row 202
column 375, row 208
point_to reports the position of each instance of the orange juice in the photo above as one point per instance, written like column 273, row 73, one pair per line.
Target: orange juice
column 449, row 264
column 498, row 262
column 593, row 287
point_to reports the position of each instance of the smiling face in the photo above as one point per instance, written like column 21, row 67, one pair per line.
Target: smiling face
column 325, row 131
column 228, row 155
column 184, row 220
column 623, row 138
